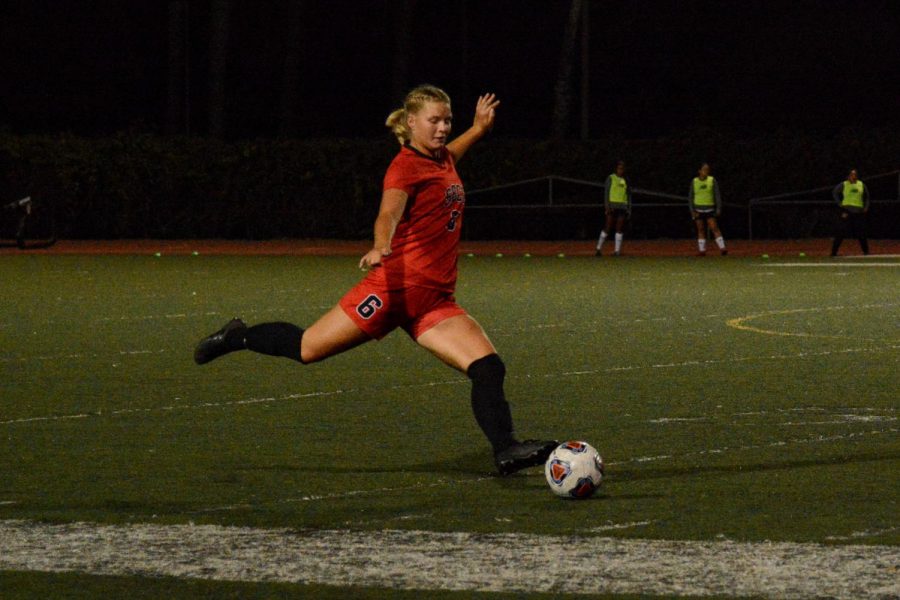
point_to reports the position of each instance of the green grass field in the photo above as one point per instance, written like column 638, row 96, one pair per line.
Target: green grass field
column 732, row 399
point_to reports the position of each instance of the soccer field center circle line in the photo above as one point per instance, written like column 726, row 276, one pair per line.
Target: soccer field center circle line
column 460, row 561
column 740, row 322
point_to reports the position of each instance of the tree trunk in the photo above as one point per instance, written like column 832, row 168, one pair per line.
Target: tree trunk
column 289, row 125
column 218, row 61
column 585, row 70
column 402, row 28
column 464, row 51
column 562, row 93
column 177, row 69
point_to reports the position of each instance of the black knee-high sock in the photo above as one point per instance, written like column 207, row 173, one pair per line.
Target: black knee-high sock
column 274, row 339
column 489, row 402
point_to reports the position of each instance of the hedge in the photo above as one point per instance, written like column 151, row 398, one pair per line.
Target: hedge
column 137, row 185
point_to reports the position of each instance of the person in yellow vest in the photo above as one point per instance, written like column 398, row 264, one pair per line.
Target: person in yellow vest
column 706, row 205
column 853, row 199
column 617, row 207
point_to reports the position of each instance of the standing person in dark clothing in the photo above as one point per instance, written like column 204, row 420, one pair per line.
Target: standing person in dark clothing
column 412, row 271
column 706, row 206
column 617, row 207
column 852, row 198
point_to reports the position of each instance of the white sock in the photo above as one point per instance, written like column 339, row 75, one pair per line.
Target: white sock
column 720, row 242
column 701, row 243
column 619, row 237
column 601, row 240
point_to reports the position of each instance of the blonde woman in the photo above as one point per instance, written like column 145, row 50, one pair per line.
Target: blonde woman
column 412, row 270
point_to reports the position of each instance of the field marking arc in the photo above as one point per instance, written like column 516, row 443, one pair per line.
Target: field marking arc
column 739, row 322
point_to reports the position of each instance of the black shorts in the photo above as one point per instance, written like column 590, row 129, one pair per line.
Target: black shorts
column 618, row 212
column 703, row 215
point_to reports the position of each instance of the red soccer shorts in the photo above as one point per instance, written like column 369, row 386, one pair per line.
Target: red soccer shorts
column 378, row 310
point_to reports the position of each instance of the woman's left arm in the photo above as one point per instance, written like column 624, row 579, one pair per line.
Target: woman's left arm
column 484, row 121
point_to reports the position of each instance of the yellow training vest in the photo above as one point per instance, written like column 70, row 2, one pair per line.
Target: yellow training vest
column 703, row 191
column 618, row 191
column 853, row 194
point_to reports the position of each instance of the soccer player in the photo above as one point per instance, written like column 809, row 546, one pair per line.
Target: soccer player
column 617, row 207
column 852, row 198
column 706, row 205
column 412, row 270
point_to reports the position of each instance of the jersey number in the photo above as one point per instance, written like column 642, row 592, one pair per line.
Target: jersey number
column 369, row 306
column 454, row 217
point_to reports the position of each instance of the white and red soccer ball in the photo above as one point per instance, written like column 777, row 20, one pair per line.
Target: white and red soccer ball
column 574, row 470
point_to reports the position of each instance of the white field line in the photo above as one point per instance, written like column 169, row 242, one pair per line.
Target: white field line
column 185, row 315
column 722, row 361
column 734, row 322
column 618, row 526
column 157, row 409
column 818, row 439
column 459, row 381
column 461, row 561
column 859, row 535
column 433, row 483
column 97, row 355
column 841, row 265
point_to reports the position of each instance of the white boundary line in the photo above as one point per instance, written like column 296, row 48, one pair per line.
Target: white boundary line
column 460, row 381
column 818, row 439
column 830, row 265
column 427, row 560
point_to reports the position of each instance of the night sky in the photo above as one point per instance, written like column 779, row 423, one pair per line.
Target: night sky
column 656, row 68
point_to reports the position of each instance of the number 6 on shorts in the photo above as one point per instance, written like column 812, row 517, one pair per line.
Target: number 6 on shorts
column 369, row 306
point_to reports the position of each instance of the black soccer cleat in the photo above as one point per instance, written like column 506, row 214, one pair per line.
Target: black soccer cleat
column 220, row 343
column 522, row 455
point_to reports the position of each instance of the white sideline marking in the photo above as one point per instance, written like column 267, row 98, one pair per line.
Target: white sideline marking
column 588, row 372
column 819, row 439
column 472, row 480
column 832, row 265
column 426, row 560
column 858, row 535
column 618, row 526
column 348, row 494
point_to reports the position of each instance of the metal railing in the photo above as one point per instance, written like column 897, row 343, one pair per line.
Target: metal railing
column 777, row 200
column 550, row 179
column 663, row 199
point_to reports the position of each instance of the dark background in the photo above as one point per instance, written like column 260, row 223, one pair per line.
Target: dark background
column 656, row 68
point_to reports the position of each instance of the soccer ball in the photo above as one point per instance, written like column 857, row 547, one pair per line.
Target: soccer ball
column 574, row 470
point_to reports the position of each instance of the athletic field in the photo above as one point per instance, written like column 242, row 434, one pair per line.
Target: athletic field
column 746, row 408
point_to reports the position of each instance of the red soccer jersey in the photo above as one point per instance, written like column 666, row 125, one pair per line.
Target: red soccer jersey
column 424, row 249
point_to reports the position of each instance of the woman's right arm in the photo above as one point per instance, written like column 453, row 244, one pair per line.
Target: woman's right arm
column 393, row 203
